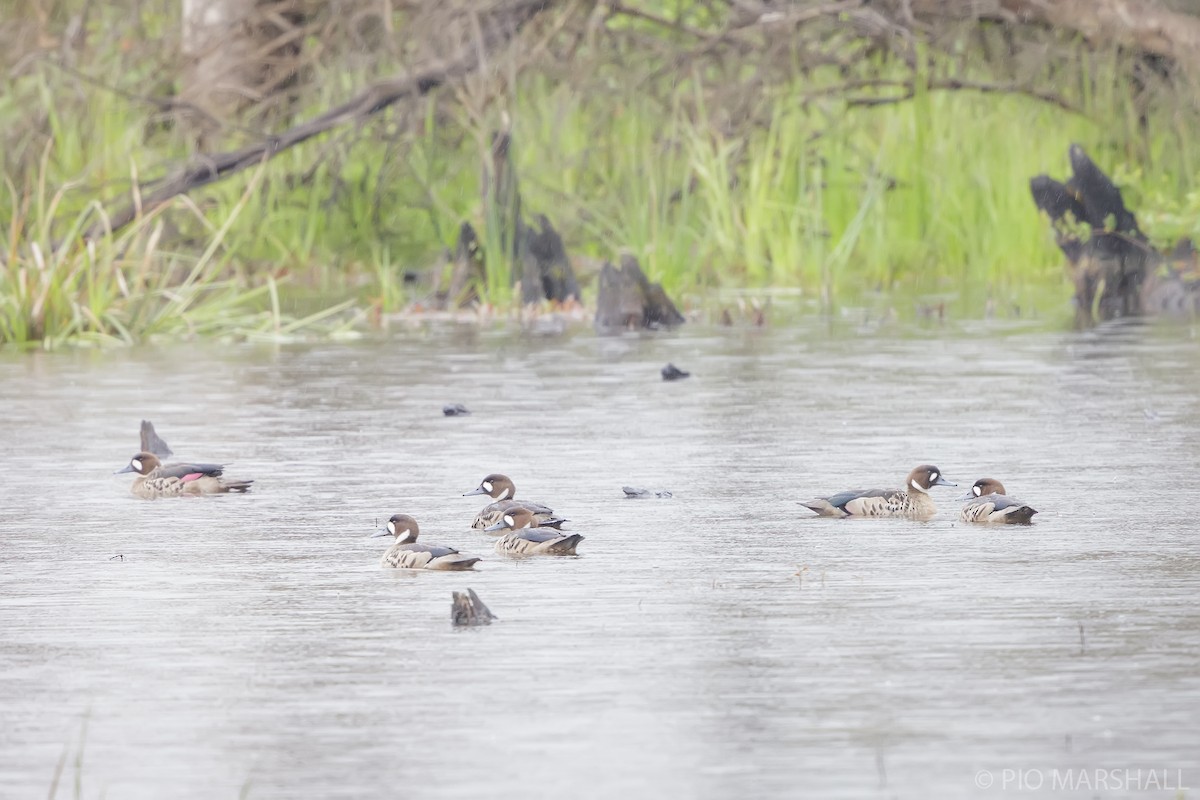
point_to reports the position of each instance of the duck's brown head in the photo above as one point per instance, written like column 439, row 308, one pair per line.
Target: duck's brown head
column 515, row 519
column 496, row 486
column 984, row 486
column 926, row 476
column 143, row 464
column 402, row 526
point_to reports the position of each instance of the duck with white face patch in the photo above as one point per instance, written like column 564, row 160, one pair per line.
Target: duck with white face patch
column 405, row 553
column 156, row 479
column 987, row 503
column 502, row 490
column 911, row 502
column 520, row 540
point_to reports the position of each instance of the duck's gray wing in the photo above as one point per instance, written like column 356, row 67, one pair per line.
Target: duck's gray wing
column 434, row 550
column 1012, row 509
column 997, row 508
column 1000, row 501
column 501, row 507
column 536, row 508
column 840, row 499
column 184, row 470
column 495, row 509
column 537, row 536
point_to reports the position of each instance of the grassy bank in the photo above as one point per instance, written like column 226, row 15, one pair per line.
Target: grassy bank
column 926, row 195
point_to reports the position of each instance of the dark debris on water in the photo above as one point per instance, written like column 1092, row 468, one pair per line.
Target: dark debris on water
column 633, row 492
column 673, row 373
column 467, row 609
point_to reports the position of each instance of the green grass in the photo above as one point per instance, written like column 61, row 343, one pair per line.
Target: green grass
column 926, row 195
column 123, row 288
column 923, row 197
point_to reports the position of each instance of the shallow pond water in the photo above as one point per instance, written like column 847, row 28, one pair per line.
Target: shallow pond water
column 720, row 643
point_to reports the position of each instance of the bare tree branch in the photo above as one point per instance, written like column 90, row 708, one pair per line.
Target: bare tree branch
column 935, row 84
column 506, row 20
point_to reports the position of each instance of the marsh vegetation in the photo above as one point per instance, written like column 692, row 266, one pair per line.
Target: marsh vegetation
column 831, row 148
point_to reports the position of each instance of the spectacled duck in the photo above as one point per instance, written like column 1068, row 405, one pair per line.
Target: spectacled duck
column 911, row 502
column 987, row 502
column 501, row 489
column 520, row 540
column 156, row 479
column 407, row 554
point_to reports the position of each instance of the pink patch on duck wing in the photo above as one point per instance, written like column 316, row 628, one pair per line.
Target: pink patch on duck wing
column 191, row 476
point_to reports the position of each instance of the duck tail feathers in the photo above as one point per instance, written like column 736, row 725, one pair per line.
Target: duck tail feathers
column 1024, row 514
column 566, row 545
column 824, row 508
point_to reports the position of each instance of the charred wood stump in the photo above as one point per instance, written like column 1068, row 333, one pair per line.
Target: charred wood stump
column 1175, row 289
column 468, row 271
column 538, row 255
column 467, row 609
column 501, row 195
column 546, row 273
column 627, row 300
column 1116, row 272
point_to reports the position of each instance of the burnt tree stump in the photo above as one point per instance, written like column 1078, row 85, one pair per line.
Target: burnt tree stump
column 468, row 271
column 627, row 300
column 467, row 609
column 1116, row 271
column 546, row 273
column 538, row 255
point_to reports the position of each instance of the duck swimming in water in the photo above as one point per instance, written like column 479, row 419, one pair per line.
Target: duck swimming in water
column 911, row 502
column 987, row 502
column 156, row 479
column 521, row 541
column 502, row 490
column 407, row 554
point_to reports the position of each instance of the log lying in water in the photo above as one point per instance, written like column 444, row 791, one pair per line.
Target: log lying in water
column 1116, row 272
column 467, row 609
column 627, row 300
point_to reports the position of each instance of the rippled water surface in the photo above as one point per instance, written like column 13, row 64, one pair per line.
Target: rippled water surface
column 722, row 643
